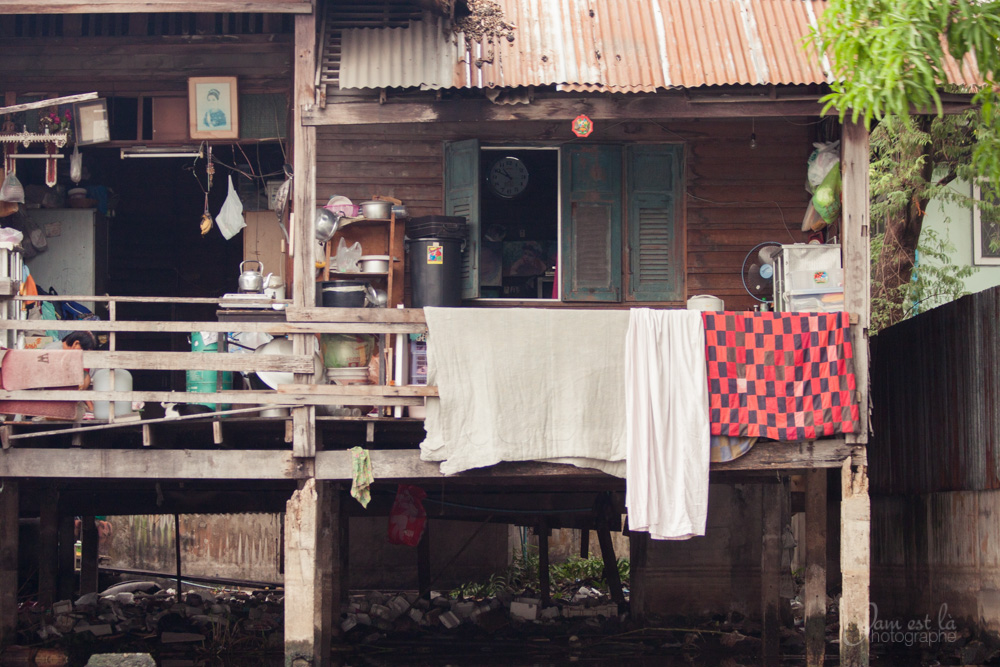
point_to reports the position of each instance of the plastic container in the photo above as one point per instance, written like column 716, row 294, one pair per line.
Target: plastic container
column 349, row 375
column 706, row 302
column 438, row 226
column 436, row 272
column 343, row 293
column 822, row 280
column 346, row 350
column 101, row 378
column 203, row 382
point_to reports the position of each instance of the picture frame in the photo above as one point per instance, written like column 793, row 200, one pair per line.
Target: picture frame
column 985, row 233
column 213, row 111
column 90, row 122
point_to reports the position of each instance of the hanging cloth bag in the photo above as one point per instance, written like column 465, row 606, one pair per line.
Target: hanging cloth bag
column 230, row 218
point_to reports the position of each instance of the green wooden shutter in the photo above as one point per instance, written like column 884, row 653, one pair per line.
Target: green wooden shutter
column 592, row 223
column 655, row 258
column 461, row 197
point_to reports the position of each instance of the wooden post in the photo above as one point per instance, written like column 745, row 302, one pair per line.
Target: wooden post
column 608, row 550
column 815, row 561
column 770, row 573
column 856, row 247
column 303, row 209
column 309, row 573
column 585, row 542
column 66, row 581
column 8, row 559
column 855, row 565
column 544, row 585
column 343, row 548
column 88, row 556
column 177, row 555
column 424, row 560
column 48, row 546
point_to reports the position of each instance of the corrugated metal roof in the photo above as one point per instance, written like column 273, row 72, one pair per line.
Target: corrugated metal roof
column 609, row 45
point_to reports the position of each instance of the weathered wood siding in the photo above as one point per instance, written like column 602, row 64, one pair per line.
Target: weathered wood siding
column 735, row 197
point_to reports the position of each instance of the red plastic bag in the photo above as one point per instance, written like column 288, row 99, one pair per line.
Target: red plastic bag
column 407, row 517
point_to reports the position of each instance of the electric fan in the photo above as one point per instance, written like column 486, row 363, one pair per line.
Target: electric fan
column 758, row 270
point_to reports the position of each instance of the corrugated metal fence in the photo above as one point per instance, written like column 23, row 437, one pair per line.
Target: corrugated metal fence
column 936, row 400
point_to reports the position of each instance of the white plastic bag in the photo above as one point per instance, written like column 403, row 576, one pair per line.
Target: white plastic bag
column 230, row 218
column 821, row 162
column 75, row 165
column 12, row 190
column 10, row 235
column 346, row 259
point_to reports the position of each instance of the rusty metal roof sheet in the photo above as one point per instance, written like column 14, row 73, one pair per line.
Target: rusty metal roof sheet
column 606, row 45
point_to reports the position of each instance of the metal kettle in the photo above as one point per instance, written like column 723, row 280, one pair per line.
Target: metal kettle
column 251, row 280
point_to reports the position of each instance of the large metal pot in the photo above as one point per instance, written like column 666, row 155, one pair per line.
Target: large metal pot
column 376, row 209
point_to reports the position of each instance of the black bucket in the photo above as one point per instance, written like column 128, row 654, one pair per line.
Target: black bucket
column 436, row 272
column 343, row 293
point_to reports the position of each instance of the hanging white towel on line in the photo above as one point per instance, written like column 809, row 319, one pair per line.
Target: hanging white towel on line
column 667, row 424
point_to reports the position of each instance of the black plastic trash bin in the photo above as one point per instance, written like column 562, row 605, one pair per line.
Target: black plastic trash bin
column 436, row 271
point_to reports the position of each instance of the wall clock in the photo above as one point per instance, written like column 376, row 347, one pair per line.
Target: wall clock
column 508, row 177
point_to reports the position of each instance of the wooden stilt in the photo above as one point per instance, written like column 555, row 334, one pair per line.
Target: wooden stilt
column 8, row 559
column 855, row 555
column 66, row 579
column 343, row 549
column 88, row 556
column 177, row 556
column 770, row 573
column 48, row 546
column 608, row 550
column 815, row 584
column 309, row 582
column 585, row 543
column 424, row 560
column 543, row 563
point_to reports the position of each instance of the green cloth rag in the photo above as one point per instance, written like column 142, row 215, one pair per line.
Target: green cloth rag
column 361, row 471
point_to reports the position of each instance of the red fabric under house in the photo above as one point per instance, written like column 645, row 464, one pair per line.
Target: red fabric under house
column 783, row 376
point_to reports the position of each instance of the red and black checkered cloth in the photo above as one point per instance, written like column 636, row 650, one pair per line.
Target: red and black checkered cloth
column 783, row 376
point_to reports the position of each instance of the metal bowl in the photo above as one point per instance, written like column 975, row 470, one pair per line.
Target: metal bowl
column 376, row 209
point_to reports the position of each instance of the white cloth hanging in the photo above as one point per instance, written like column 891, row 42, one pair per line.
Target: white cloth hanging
column 667, row 423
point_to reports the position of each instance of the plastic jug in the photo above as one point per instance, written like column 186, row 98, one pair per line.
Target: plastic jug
column 102, row 382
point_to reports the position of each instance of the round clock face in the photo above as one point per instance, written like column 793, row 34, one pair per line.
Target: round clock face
column 508, row 177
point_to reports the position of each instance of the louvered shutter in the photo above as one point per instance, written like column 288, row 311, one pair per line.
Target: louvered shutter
column 655, row 257
column 592, row 223
column 461, row 197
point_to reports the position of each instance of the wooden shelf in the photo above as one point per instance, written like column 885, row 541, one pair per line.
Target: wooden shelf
column 384, row 241
column 358, row 274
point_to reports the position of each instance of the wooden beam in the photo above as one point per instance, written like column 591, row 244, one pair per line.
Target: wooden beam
column 89, row 544
column 274, row 328
column 9, row 507
column 184, row 361
column 45, row 104
column 856, row 245
column 359, row 315
column 611, row 575
column 159, row 6
column 815, row 575
column 361, row 390
column 152, row 464
column 310, row 534
column 48, row 546
column 855, row 565
column 544, row 583
column 770, row 573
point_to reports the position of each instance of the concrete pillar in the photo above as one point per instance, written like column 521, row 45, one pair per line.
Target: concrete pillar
column 855, row 565
column 815, row 567
column 311, row 583
column 8, row 559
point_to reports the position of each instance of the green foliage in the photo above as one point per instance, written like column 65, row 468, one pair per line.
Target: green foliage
column 889, row 58
column 522, row 574
column 935, row 281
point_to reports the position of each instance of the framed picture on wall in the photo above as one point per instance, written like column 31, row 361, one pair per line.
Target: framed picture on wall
column 985, row 227
column 213, row 107
column 90, row 120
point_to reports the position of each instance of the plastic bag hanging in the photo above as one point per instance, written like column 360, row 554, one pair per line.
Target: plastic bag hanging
column 76, row 165
column 12, row 190
column 230, row 218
